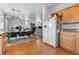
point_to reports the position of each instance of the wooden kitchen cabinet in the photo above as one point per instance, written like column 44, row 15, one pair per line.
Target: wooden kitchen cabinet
column 71, row 14
column 75, row 13
column 67, row 41
column 66, row 15
column 77, row 43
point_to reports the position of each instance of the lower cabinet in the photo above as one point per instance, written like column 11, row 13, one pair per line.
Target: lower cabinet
column 70, row 41
column 67, row 41
column 77, row 43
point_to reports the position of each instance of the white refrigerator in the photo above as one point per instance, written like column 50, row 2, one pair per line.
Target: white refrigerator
column 50, row 35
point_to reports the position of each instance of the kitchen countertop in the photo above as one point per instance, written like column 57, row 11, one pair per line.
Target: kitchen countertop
column 71, row 30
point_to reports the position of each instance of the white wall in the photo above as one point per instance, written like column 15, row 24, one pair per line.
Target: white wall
column 46, row 12
column 61, row 6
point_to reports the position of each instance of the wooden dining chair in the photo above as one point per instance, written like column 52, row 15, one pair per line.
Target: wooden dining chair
column 4, row 43
column 0, row 45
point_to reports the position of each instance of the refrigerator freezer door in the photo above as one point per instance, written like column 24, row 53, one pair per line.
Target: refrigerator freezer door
column 45, row 31
column 52, row 32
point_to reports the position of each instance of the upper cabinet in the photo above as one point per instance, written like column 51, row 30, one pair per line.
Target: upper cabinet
column 70, row 15
column 66, row 15
column 75, row 13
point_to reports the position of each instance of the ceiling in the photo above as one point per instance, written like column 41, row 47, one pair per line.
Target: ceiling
column 28, row 9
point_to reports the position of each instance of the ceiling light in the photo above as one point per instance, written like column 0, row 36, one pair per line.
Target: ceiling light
column 26, row 23
column 1, row 17
column 49, row 15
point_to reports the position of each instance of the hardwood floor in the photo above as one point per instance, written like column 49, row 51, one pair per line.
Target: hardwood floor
column 35, row 47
